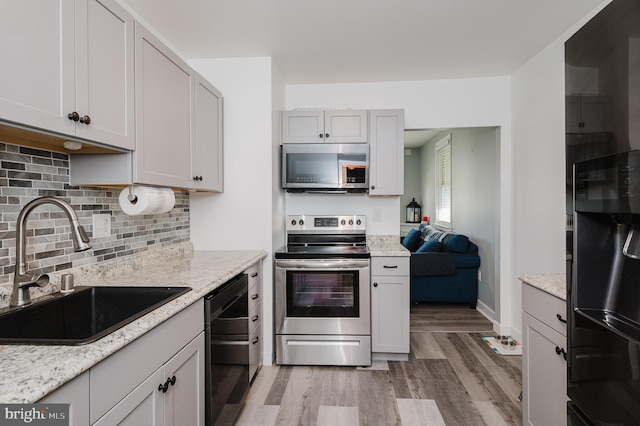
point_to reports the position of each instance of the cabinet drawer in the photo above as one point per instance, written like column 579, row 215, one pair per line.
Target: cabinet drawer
column 548, row 309
column 254, row 274
column 255, row 318
column 390, row 266
column 255, row 351
column 255, row 300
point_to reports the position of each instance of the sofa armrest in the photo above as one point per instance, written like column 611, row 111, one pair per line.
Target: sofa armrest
column 432, row 264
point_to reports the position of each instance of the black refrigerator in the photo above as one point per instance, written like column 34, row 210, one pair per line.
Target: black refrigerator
column 602, row 89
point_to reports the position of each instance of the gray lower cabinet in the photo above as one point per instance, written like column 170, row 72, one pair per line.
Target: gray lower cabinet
column 255, row 319
column 390, row 307
column 128, row 387
column 544, row 368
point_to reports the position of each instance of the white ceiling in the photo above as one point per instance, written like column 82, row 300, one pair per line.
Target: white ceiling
column 345, row 41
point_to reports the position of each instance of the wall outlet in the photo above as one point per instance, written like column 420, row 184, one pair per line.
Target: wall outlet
column 101, row 225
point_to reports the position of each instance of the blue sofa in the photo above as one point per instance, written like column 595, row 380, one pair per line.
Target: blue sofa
column 444, row 266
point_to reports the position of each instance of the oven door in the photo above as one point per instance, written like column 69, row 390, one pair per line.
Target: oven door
column 323, row 297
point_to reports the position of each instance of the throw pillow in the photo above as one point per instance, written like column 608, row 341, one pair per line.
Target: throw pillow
column 430, row 246
column 412, row 240
column 457, row 243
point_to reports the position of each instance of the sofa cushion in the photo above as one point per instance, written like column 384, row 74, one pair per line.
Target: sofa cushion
column 432, row 264
column 412, row 240
column 430, row 246
column 456, row 243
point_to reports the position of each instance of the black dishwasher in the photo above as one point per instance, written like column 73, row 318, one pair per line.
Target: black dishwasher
column 226, row 311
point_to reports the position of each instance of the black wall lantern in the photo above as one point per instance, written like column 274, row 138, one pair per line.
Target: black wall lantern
column 414, row 212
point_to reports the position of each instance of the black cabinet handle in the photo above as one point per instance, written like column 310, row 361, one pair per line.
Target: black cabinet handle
column 172, row 380
column 255, row 340
column 255, row 274
column 85, row 120
column 561, row 351
column 561, row 319
column 165, row 386
column 74, row 116
column 390, row 266
column 254, row 318
column 197, row 178
column 375, row 284
column 255, row 296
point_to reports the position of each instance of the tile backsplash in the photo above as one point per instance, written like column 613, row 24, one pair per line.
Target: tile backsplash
column 28, row 173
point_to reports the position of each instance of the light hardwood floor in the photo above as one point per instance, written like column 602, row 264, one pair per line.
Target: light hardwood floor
column 452, row 378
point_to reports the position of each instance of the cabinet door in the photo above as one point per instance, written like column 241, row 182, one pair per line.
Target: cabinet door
column 38, row 82
column 143, row 406
column 184, row 400
column 303, row 126
column 208, row 141
column 164, row 107
column 76, row 394
column 348, row 126
column 544, row 374
column 104, row 72
column 386, row 155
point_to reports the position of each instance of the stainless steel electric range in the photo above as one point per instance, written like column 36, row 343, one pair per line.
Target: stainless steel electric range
column 322, row 295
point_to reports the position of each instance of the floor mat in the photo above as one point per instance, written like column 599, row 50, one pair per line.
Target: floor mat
column 503, row 345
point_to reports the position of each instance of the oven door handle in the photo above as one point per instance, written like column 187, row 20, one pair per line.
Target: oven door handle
column 322, row 264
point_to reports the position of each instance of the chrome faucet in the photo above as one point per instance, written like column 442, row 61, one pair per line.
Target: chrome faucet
column 21, row 281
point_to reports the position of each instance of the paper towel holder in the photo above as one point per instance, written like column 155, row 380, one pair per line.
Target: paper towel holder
column 132, row 197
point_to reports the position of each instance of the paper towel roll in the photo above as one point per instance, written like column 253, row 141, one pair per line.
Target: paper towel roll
column 150, row 200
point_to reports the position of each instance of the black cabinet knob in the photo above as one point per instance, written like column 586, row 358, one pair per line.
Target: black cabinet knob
column 197, row 178
column 74, row 116
column 321, row 136
column 326, row 135
column 375, row 284
column 373, row 187
column 85, row 120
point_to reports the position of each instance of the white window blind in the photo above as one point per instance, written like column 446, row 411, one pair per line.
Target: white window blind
column 443, row 182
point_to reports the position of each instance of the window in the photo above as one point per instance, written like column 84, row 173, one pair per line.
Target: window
column 443, row 182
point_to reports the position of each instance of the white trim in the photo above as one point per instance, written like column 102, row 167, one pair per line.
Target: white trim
column 442, row 144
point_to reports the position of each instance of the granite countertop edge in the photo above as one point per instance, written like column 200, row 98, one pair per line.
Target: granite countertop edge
column 386, row 245
column 554, row 284
column 30, row 372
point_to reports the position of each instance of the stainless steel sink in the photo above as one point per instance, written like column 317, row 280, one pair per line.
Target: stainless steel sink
column 84, row 316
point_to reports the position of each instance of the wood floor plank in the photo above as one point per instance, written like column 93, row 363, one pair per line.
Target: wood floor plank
column 424, row 346
column 399, row 380
column 376, row 399
column 419, row 412
column 274, row 397
column 258, row 415
column 490, row 414
column 262, row 385
column 338, row 416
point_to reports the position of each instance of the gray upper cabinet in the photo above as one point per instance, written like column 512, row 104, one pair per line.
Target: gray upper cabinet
column 72, row 71
column 386, row 152
column 164, row 111
column 588, row 114
column 207, row 152
column 179, row 128
column 338, row 126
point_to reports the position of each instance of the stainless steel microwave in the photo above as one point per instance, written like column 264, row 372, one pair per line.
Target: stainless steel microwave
column 325, row 167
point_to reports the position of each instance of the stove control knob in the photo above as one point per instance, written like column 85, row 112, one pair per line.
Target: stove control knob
column 301, row 222
column 358, row 222
column 293, row 222
column 350, row 221
column 343, row 222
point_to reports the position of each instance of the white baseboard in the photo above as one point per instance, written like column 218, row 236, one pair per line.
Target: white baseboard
column 497, row 327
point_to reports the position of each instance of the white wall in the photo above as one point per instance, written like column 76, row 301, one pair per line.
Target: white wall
column 413, row 183
column 481, row 102
column 240, row 218
column 539, row 160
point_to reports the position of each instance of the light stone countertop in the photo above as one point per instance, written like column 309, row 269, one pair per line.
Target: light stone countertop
column 554, row 284
column 386, row 245
column 29, row 372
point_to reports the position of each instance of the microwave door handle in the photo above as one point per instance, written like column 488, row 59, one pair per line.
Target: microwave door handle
column 320, row 191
